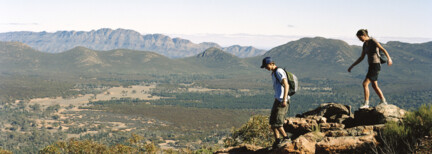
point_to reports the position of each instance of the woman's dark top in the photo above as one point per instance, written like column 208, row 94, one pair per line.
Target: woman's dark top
column 371, row 48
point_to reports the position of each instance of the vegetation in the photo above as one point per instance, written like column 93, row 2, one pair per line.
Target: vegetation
column 21, row 133
column 87, row 146
column 403, row 137
column 136, row 144
column 256, row 131
column 5, row 151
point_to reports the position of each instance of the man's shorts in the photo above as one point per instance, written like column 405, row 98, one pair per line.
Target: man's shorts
column 277, row 115
column 373, row 71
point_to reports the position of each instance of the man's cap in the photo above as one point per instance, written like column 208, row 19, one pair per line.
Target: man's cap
column 265, row 61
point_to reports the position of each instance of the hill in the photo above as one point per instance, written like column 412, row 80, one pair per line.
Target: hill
column 303, row 56
column 328, row 58
column 108, row 39
column 215, row 58
column 18, row 57
column 316, row 61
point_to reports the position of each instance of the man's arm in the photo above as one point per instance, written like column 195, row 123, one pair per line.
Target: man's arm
column 286, row 89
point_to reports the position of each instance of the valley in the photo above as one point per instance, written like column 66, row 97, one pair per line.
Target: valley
column 185, row 103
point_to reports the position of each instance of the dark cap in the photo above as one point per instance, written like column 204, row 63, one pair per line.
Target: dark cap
column 265, row 61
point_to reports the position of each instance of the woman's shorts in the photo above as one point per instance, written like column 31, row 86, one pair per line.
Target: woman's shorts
column 373, row 71
column 277, row 115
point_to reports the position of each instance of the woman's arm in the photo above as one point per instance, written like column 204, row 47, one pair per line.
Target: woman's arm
column 381, row 48
column 358, row 60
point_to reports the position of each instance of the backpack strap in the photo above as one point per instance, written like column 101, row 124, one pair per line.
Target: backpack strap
column 274, row 73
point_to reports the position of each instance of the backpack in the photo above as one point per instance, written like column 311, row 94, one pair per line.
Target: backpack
column 382, row 56
column 292, row 82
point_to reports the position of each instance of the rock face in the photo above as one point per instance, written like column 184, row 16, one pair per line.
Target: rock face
column 333, row 112
column 346, row 144
column 331, row 128
column 379, row 115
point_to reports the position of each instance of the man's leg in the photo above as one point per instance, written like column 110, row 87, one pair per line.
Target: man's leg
column 282, row 132
column 273, row 121
column 276, row 133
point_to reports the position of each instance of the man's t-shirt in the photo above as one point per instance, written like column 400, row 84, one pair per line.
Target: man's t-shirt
column 277, row 86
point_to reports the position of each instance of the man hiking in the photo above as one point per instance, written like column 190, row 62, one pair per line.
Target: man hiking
column 281, row 102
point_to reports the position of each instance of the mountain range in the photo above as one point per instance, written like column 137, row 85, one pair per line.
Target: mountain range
column 308, row 58
column 108, row 39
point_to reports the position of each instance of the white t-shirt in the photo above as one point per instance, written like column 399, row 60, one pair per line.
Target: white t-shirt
column 277, row 86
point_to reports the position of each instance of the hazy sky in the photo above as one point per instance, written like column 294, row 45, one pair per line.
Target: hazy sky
column 260, row 23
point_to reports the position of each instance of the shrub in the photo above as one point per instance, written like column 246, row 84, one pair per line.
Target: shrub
column 74, row 146
column 256, row 131
column 5, row 151
column 402, row 137
column 420, row 122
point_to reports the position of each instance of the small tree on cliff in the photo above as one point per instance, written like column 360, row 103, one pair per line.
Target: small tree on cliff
column 255, row 131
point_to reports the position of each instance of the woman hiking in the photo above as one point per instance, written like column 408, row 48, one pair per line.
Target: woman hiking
column 371, row 48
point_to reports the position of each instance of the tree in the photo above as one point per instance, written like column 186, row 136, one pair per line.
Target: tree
column 256, row 131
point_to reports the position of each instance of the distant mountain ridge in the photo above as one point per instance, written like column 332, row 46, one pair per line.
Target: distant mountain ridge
column 308, row 58
column 316, row 49
column 108, row 39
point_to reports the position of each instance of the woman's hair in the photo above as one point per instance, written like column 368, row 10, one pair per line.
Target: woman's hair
column 362, row 32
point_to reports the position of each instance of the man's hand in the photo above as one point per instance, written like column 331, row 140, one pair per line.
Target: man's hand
column 284, row 103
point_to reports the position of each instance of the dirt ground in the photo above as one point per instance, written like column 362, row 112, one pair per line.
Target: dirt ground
column 140, row 92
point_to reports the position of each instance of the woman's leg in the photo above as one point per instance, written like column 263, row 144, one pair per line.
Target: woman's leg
column 379, row 92
column 366, row 89
column 377, row 89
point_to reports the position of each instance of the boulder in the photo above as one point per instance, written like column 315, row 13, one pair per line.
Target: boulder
column 332, row 111
column 300, row 126
column 243, row 149
column 346, row 144
column 355, row 131
column 378, row 115
column 331, row 126
column 303, row 144
column 390, row 113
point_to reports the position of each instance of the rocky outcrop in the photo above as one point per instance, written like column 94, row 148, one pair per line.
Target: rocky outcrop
column 379, row 115
column 331, row 128
column 346, row 144
column 243, row 149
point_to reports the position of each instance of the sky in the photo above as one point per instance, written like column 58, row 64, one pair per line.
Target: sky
column 260, row 23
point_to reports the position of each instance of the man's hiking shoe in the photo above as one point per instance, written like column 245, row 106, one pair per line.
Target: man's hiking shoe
column 276, row 143
column 286, row 140
column 279, row 143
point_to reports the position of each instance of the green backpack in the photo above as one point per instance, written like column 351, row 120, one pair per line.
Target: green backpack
column 292, row 82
